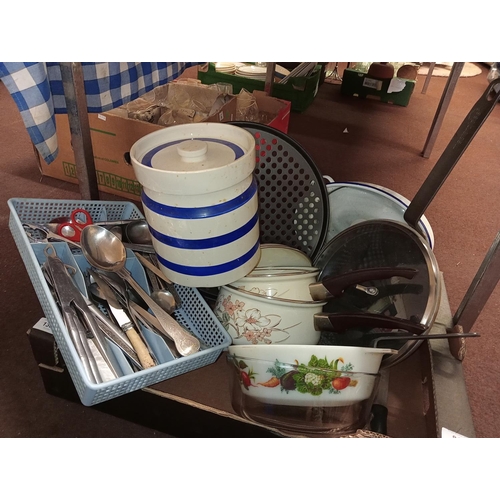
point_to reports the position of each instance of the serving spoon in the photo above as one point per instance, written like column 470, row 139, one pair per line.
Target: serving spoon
column 105, row 251
column 137, row 232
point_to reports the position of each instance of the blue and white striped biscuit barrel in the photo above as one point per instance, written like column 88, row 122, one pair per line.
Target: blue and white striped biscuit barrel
column 201, row 201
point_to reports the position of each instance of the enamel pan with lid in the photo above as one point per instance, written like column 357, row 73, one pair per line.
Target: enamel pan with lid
column 391, row 244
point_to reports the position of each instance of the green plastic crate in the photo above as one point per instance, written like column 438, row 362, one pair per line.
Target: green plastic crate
column 356, row 83
column 300, row 91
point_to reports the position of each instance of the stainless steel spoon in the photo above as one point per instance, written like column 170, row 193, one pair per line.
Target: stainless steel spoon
column 165, row 300
column 149, row 265
column 105, row 251
column 159, row 294
column 138, row 232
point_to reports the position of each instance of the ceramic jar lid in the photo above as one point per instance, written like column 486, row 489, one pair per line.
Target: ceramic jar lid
column 193, row 155
column 194, row 158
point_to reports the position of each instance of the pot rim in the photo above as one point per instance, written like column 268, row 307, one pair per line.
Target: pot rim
column 293, row 272
column 284, row 302
column 301, row 347
column 293, row 365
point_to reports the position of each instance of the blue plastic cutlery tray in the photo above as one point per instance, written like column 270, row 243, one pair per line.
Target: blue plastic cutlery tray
column 195, row 314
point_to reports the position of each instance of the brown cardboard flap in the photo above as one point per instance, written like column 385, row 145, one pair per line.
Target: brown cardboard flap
column 112, row 135
column 269, row 104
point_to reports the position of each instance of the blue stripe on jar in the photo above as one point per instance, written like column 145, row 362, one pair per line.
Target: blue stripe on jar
column 210, row 270
column 200, row 212
column 148, row 157
column 206, row 243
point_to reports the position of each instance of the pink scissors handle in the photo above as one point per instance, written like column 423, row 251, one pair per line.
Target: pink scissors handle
column 73, row 228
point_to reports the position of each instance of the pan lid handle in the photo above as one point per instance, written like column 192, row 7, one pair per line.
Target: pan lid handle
column 335, row 285
column 340, row 322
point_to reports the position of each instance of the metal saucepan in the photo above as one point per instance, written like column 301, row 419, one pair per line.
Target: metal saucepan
column 385, row 243
column 414, row 297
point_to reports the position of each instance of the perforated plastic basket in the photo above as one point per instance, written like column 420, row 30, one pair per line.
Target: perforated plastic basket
column 195, row 314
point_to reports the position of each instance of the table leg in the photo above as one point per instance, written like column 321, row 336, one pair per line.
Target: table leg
column 76, row 105
column 442, row 108
column 480, row 289
column 268, row 86
column 428, row 77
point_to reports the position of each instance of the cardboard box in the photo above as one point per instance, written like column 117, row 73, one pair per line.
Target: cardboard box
column 426, row 394
column 396, row 90
column 277, row 110
column 198, row 403
column 113, row 134
column 300, row 91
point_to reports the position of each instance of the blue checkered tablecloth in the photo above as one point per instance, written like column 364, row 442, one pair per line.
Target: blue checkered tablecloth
column 37, row 89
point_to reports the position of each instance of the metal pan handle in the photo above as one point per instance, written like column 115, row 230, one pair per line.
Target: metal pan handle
column 424, row 337
column 453, row 152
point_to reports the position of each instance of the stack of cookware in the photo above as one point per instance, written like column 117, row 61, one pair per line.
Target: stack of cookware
column 312, row 304
column 377, row 283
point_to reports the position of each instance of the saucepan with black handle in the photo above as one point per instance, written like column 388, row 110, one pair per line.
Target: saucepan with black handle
column 362, row 329
column 388, row 243
column 368, row 330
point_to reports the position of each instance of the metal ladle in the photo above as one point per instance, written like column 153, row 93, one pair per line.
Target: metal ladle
column 106, row 252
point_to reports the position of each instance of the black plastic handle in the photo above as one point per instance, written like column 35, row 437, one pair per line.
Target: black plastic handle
column 337, row 284
column 340, row 322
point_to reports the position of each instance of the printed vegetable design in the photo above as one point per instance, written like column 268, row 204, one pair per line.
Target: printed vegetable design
column 317, row 376
column 246, row 378
column 251, row 324
column 341, row 383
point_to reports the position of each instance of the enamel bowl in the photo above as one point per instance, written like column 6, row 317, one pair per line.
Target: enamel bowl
column 277, row 255
column 252, row 319
column 351, row 358
column 313, row 383
column 312, row 417
column 353, row 202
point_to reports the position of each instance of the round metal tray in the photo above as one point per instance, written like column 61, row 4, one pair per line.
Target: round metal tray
column 293, row 199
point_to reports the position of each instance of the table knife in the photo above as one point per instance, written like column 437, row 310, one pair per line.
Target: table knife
column 124, row 322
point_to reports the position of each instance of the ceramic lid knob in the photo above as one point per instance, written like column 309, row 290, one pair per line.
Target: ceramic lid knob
column 192, row 150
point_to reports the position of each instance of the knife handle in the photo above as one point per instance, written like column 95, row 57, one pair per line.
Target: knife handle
column 140, row 348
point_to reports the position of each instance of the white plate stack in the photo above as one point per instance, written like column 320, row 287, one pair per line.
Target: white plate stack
column 303, row 69
column 225, row 67
column 252, row 71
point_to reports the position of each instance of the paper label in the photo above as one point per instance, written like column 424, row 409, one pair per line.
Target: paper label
column 372, row 84
column 396, row 85
column 43, row 324
column 101, row 117
column 446, row 433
